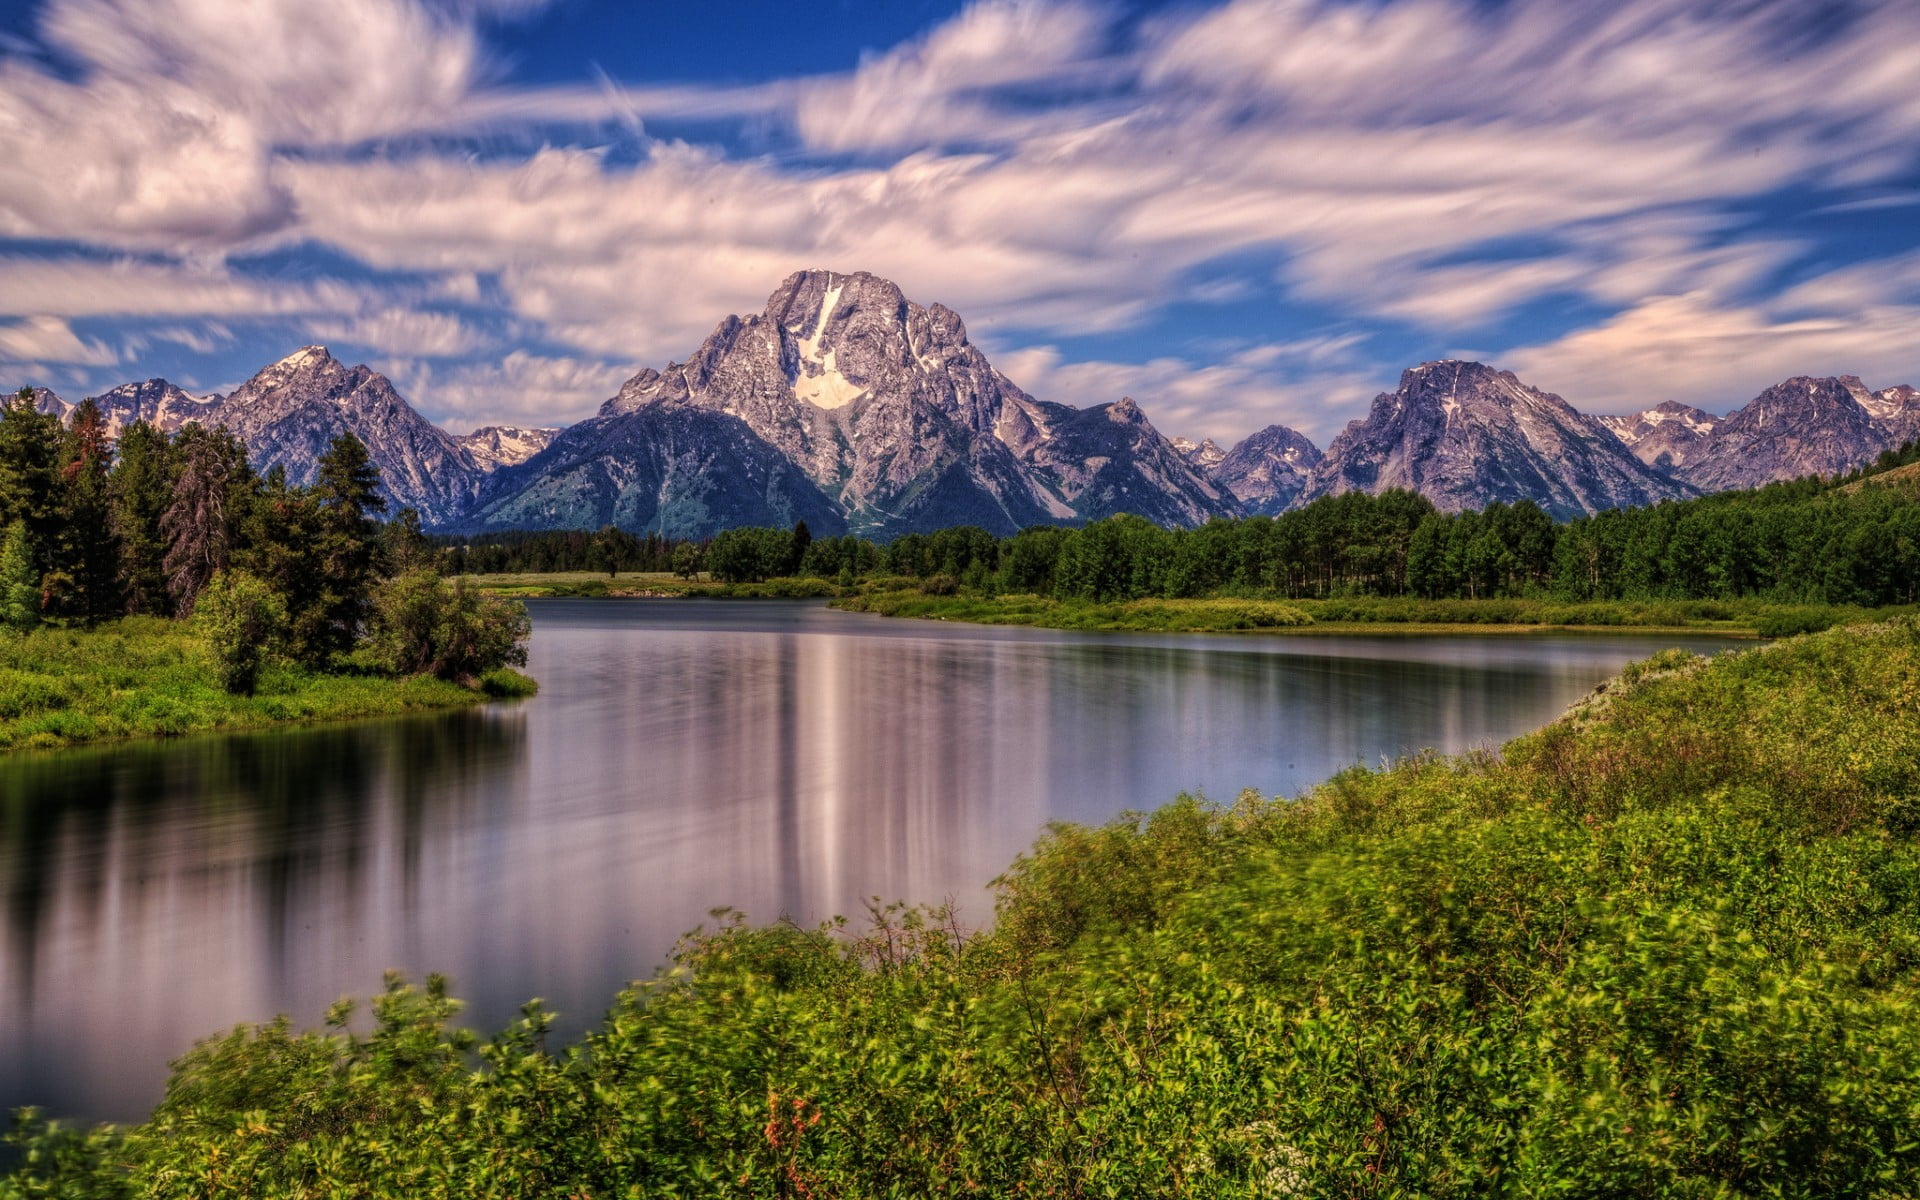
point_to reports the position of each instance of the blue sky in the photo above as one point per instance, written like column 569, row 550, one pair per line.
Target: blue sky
column 1238, row 212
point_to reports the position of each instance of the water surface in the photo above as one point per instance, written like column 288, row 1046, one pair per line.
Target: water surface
column 778, row 757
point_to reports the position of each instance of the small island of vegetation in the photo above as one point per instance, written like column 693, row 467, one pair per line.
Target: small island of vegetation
column 1667, row 947
column 155, row 585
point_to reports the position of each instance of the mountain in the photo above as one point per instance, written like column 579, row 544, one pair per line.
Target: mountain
column 902, row 422
column 494, row 446
column 1804, row 426
column 1666, row 435
column 1896, row 410
column 290, row 412
column 1465, row 435
column 1269, row 470
column 1109, row 459
column 1204, row 454
column 673, row 469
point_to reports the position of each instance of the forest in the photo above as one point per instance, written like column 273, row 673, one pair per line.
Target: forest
column 1848, row 541
column 133, row 565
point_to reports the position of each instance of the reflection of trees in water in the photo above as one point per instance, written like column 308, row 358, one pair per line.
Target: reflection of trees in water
column 288, row 807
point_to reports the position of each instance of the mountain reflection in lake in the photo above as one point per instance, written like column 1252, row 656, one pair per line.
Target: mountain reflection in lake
column 778, row 757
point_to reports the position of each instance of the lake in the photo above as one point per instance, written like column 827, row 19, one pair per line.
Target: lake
column 781, row 758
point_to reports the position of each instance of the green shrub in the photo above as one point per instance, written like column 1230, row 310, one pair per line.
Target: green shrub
column 243, row 621
column 425, row 625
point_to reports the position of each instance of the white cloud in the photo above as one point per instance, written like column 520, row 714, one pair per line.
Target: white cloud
column 403, row 331
column 521, row 389
column 90, row 288
column 1312, row 386
column 43, row 339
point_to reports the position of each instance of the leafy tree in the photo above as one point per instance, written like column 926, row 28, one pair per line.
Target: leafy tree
column 404, row 545
column 19, row 582
column 686, row 560
column 242, row 619
column 425, row 625
column 797, row 544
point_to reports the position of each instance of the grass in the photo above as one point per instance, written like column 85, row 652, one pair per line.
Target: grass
column 147, row 677
column 1668, row 946
column 651, row 584
column 1366, row 614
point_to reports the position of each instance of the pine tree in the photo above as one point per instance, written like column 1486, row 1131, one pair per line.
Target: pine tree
column 138, row 493
column 29, row 454
column 209, row 494
column 85, row 551
column 347, row 494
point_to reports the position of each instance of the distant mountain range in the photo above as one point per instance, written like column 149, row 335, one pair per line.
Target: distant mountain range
column 849, row 406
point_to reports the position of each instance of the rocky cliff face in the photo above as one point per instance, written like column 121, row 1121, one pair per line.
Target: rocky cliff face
column 1897, row 411
column 677, row 470
column 1804, row 426
column 1665, row 436
column 1270, row 470
column 290, row 413
column 904, row 424
column 1465, row 435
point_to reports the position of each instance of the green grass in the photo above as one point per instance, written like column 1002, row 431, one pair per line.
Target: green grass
column 647, row 584
column 1399, row 614
column 1667, row 947
column 146, row 677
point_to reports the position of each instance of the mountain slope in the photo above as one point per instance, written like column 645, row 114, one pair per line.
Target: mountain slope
column 1465, row 435
column 1803, row 426
column 1269, row 470
column 676, row 470
column 290, row 412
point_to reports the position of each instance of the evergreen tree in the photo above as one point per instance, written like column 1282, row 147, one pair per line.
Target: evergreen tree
column 348, row 501
column 86, row 554
column 208, row 500
column 29, row 484
column 137, row 495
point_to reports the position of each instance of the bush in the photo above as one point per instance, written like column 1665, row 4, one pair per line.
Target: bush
column 426, row 625
column 243, row 621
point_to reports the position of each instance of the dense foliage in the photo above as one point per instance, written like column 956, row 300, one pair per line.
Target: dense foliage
column 1667, row 947
column 525, row 552
column 147, row 524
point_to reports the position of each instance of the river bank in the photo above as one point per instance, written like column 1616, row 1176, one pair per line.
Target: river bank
column 1223, row 614
column 151, row 677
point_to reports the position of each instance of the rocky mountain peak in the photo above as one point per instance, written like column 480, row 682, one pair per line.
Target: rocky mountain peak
column 1465, row 434
column 1806, row 425
column 1667, row 435
column 1204, row 454
column 1270, row 470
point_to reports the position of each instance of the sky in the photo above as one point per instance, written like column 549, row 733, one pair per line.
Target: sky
column 1238, row 213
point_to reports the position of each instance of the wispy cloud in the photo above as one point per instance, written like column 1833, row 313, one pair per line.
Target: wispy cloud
column 1047, row 169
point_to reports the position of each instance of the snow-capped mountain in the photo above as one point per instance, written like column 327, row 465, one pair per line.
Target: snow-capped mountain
column 905, row 425
column 494, row 446
column 1269, row 470
column 1204, row 454
column 1666, row 435
column 1465, row 435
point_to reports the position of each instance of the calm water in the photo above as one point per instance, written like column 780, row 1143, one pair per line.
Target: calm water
column 780, row 758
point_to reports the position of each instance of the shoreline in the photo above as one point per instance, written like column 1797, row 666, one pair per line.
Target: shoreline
column 1387, row 616
column 150, row 679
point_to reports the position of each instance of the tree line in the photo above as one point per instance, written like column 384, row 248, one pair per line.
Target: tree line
column 1805, row 541
column 175, row 525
